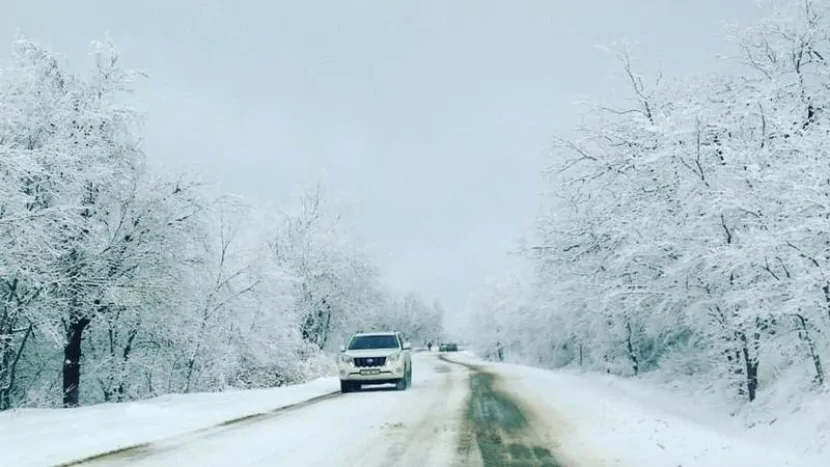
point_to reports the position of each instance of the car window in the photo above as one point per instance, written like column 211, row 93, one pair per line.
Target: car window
column 374, row 342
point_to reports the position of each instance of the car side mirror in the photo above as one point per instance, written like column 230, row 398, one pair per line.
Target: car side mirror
column 342, row 348
column 407, row 346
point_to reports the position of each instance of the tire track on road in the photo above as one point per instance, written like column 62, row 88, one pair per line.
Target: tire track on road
column 133, row 453
column 498, row 430
column 438, row 427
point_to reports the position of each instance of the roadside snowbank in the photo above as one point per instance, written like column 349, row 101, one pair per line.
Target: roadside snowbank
column 788, row 416
column 623, row 423
column 40, row 437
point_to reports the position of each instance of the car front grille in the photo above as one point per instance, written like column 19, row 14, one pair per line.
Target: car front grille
column 369, row 361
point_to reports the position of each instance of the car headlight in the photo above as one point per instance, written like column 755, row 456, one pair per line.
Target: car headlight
column 346, row 359
column 393, row 358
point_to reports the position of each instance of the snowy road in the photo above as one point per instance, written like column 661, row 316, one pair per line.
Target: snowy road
column 463, row 413
column 435, row 423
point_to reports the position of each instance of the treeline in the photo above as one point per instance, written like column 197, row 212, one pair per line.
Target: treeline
column 690, row 231
column 128, row 284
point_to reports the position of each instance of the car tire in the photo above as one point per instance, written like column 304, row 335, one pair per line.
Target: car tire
column 346, row 386
column 400, row 385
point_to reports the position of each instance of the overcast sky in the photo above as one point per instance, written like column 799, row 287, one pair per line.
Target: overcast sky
column 430, row 120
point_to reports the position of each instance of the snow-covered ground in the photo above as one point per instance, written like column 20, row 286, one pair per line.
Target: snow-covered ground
column 374, row 427
column 42, row 437
column 369, row 428
column 585, row 420
column 609, row 421
column 789, row 417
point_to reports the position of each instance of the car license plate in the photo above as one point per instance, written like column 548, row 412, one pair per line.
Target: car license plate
column 369, row 372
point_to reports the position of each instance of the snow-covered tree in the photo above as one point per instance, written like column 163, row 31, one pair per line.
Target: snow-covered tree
column 129, row 284
column 687, row 231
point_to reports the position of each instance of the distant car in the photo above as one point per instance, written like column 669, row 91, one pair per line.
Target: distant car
column 448, row 347
column 375, row 358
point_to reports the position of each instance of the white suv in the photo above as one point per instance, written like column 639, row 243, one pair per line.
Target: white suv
column 375, row 358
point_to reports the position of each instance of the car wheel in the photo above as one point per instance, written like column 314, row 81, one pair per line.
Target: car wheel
column 400, row 385
column 346, row 386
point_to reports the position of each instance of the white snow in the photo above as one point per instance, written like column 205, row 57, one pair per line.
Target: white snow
column 383, row 427
column 38, row 437
column 595, row 420
column 621, row 423
column 787, row 415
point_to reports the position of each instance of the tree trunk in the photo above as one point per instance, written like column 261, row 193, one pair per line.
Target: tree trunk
column 8, row 319
column 738, row 363
column 751, row 375
column 326, row 325
column 750, row 358
column 191, row 362
column 635, row 363
column 804, row 334
column 121, row 390
column 10, row 365
column 5, row 364
column 72, row 362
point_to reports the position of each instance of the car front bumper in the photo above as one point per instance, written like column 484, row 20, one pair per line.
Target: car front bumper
column 349, row 372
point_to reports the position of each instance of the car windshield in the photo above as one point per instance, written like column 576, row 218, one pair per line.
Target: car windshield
column 374, row 342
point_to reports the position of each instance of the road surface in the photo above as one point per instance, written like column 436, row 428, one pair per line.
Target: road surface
column 454, row 415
